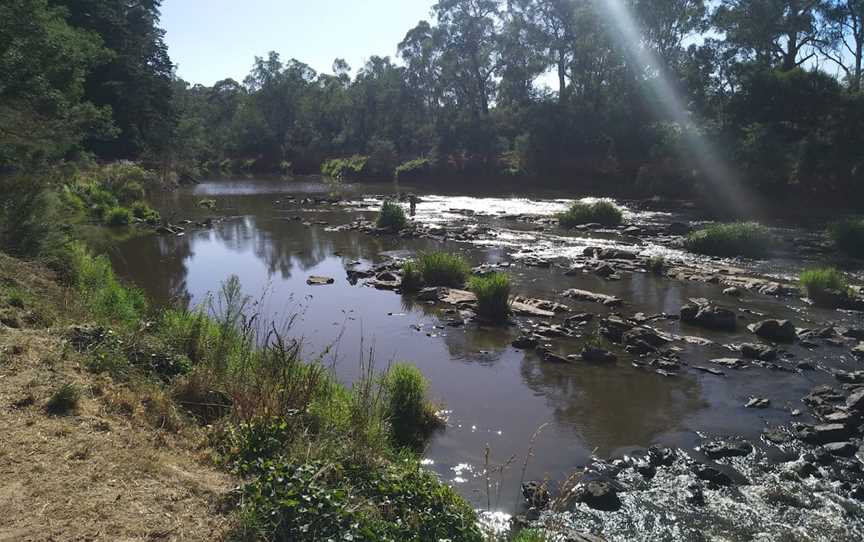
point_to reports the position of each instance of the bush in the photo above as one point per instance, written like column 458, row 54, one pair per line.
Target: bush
column 345, row 168
column 411, row 415
column 605, row 213
column 64, row 400
column 443, row 269
column 825, row 286
column 493, row 296
column 391, row 216
column 748, row 239
column 412, row 279
column 118, row 216
column 848, row 236
column 413, row 169
column 26, row 217
column 529, row 535
column 102, row 293
column 142, row 211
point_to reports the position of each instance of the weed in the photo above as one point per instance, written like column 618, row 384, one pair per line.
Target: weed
column 493, row 296
column 747, row 239
column 391, row 216
column 443, row 269
column 601, row 212
column 118, row 216
column 657, row 265
column 411, row 414
column 848, row 236
column 412, row 278
column 825, row 286
column 64, row 400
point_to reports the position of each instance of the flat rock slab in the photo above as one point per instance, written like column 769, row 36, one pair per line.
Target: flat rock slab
column 458, row 297
column 319, row 281
column 585, row 295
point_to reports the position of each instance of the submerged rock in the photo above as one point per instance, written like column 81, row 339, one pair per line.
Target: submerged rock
column 758, row 351
column 526, row 342
column 593, row 354
column 723, row 449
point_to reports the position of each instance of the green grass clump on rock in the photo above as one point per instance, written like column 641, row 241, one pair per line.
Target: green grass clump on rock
column 747, row 239
column 493, row 296
column 443, row 269
column 391, row 216
column 848, row 236
column 826, row 286
column 605, row 213
column 412, row 278
column 412, row 417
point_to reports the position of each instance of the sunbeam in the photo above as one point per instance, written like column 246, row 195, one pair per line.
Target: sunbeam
column 723, row 179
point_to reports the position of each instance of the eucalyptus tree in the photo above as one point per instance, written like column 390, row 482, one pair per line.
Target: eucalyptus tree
column 844, row 45
column 781, row 33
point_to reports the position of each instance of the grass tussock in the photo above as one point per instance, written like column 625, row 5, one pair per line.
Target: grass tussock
column 530, row 535
column 391, row 216
column 64, row 400
column 826, row 286
column 747, row 239
column 412, row 278
column 848, row 236
column 102, row 293
column 443, row 269
column 412, row 417
column 601, row 212
column 493, row 296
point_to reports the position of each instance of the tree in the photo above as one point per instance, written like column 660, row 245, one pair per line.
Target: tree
column 135, row 79
column 43, row 66
column 780, row 33
column 844, row 43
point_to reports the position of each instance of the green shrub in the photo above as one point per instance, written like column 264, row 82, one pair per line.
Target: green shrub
column 493, row 296
column 129, row 192
column 826, row 286
column 657, row 265
column 27, row 215
column 443, row 269
column 411, row 415
column 413, row 169
column 748, row 239
column 605, row 213
column 118, row 216
column 529, row 535
column 102, row 293
column 391, row 216
column 848, row 236
column 345, row 168
column 412, row 279
column 64, row 400
column 142, row 211
column 207, row 203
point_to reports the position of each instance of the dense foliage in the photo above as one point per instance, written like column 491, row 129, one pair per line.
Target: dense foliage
column 748, row 239
column 771, row 89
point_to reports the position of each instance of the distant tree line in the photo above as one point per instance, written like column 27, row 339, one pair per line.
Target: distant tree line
column 773, row 86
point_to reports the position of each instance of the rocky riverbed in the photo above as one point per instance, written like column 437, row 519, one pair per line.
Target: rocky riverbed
column 620, row 340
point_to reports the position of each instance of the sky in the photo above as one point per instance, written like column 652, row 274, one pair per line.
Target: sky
column 210, row 40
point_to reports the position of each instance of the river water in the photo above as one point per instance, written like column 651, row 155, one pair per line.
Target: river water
column 496, row 396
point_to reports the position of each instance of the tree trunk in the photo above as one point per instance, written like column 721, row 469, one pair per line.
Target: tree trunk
column 562, row 79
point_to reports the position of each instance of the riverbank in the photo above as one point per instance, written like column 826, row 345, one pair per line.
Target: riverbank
column 188, row 425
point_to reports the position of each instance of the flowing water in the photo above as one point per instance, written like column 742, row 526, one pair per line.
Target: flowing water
column 496, row 396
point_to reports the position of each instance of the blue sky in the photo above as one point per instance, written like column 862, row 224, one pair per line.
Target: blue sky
column 210, row 40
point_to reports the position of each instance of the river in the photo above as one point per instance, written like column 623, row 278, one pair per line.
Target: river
column 495, row 395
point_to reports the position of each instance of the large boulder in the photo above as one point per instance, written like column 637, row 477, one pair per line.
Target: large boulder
column 709, row 316
column 599, row 495
column 781, row 331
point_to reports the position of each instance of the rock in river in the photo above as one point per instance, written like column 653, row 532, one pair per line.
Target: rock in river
column 319, row 281
column 584, row 295
column 721, row 449
column 599, row 495
column 781, row 331
column 598, row 355
column 709, row 316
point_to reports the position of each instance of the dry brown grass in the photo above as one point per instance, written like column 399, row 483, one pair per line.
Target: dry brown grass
column 122, row 466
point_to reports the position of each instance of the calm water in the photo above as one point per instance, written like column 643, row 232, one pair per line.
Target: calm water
column 497, row 396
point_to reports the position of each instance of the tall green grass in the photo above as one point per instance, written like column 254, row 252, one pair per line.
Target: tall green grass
column 826, row 286
column 443, row 269
column 391, row 216
column 601, row 212
column 747, row 239
column 493, row 296
column 848, row 236
column 102, row 293
column 411, row 414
